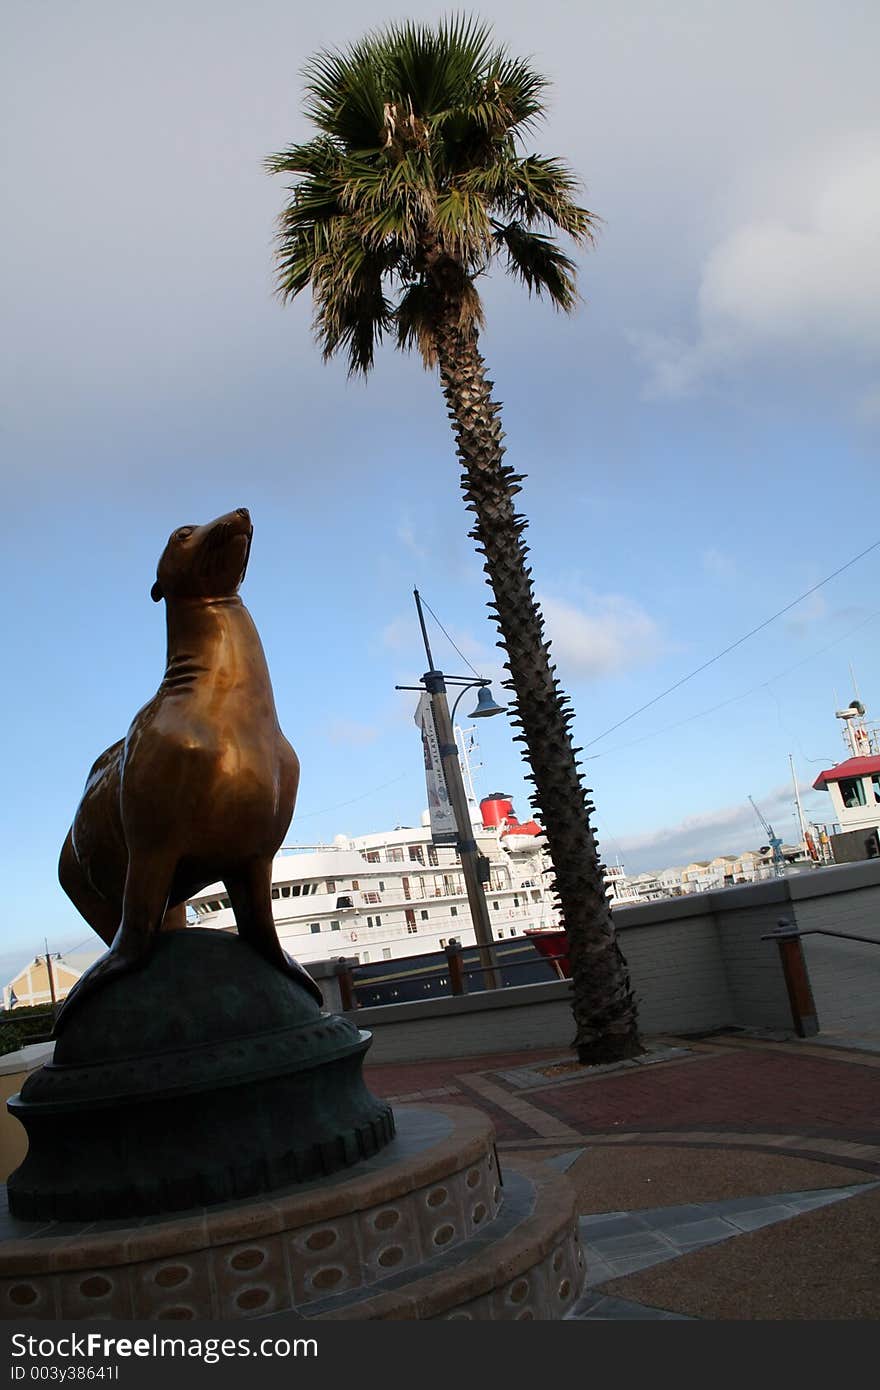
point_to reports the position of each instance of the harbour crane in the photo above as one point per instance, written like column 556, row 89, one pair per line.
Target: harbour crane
column 775, row 843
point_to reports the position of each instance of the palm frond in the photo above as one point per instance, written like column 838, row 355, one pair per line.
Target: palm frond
column 416, row 319
column 351, row 310
column 539, row 263
column 533, row 190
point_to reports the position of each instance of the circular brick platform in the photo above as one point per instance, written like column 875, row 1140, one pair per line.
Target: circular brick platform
column 427, row 1228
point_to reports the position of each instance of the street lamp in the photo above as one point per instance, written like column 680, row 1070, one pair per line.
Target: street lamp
column 473, row 864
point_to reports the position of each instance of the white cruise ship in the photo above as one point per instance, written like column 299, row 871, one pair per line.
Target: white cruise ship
column 394, row 893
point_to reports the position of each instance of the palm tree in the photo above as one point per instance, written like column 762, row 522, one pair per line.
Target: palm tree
column 413, row 185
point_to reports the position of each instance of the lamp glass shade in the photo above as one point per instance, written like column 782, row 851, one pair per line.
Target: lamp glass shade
column 486, row 705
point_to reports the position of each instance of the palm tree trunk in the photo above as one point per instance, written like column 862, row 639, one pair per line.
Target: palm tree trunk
column 603, row 1004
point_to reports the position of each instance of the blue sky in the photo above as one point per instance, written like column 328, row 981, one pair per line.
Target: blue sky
column 700, row 438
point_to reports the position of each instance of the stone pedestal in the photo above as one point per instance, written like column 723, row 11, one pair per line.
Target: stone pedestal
column 427, row 1228
column 204, row 1077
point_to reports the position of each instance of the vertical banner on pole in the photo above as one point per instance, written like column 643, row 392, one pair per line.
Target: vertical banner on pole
column 443, row 828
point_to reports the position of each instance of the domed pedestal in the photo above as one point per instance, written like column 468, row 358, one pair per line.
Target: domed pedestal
column 206, row 1076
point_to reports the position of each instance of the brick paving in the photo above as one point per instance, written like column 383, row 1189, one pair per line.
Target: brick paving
column 789, row 1092
column 743, row 1091
column 724, row 1120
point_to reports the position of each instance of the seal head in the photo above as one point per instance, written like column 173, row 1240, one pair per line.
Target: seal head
column 205, row 561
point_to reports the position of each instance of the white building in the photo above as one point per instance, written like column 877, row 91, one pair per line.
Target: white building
column 854, row 784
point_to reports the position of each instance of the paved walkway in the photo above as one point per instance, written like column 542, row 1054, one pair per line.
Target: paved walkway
column 735, row 1177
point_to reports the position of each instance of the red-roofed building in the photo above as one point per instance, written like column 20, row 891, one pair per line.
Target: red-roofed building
column 854, row 788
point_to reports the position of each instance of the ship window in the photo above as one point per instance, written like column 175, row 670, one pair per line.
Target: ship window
column 415, row 854
column 875, row 784
column 381, row 886
column 354, row 884
column 386, row 953
column 343, row 902
column 366, row 957
column 412, row 928
column 516, row 901
column 298, row 889
column 424, row 915
column 369, row 921
column 432, row 855
column 453, row 912
column 852, row 790
column 285, row 890
column 372, row 856
column 495, row 907
column 394, row 854
column 224, row 902
column 443, row 941
column 314, row 927
column 334, row 926
column 378, row 921
column 330, row 886
column 276, row 893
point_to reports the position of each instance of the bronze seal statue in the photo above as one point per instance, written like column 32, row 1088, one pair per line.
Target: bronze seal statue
column 202, row 788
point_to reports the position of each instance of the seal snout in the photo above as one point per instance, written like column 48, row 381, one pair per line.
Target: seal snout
column 240, row 523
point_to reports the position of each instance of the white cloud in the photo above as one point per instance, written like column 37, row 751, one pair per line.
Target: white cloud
column 718, row 564
column 726, row 830
column 398, row 634
column 811, row 610
column 411, row 537
column 349, row 731
column 610, row 634
column 804, row 282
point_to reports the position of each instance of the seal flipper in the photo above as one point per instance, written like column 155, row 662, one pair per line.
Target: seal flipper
column 250, row 893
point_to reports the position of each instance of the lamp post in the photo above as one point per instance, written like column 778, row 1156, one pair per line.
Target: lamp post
column 474, row 866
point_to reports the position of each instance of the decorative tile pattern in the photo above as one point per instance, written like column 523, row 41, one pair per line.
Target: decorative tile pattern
column 97, row 1293
column 28, row 1297
column 251, row 1279
column 172, row 1288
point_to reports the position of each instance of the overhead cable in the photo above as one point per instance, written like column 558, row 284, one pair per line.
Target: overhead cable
column 733, row 645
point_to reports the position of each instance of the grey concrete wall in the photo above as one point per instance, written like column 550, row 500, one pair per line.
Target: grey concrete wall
column 845, row 975
column 696, row 963
column 676, row 966
column 505, row 1020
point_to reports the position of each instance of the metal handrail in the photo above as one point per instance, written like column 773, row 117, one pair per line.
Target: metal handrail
column 513, row 964
column 819, row 931
column 429, row 974
column 442, row 971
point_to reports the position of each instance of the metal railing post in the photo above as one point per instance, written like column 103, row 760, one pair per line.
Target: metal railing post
column 797, row 979
column 456, row 966
column 347, row 996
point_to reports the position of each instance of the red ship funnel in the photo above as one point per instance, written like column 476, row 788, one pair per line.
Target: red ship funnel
column 496, row 809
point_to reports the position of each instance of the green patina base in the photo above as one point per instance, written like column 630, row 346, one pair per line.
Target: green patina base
column 205, row 1077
